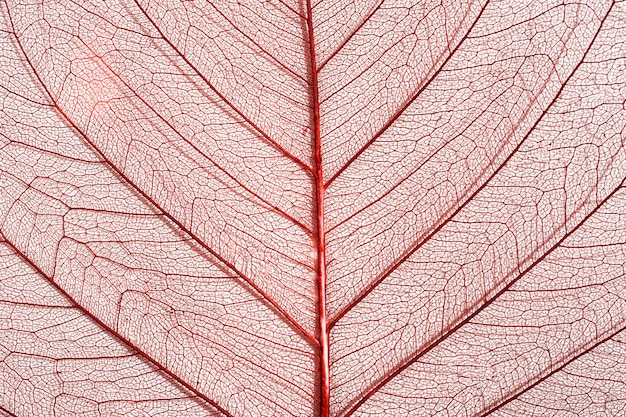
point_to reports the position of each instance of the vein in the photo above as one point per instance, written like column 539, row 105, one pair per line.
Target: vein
column 407, row 104
column 292, row 10
column 254, row 126
column 395, row 265
column 513, row 397
column 323, row 329
column 409, row 175
column 285, row 67
column 447, row 334
column 111, row 331
column 436, row 342
column 184, row 229
column 345, row 42
column 4, row 410
column 214, row 163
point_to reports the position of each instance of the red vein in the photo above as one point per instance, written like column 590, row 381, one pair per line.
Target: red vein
column 323, row 330
column 408, row 103
column 409, row 253
column 297, row 13
column 438, row 341
column 113, row 332
column 223, row 98
column 190, row 143
column 196, row 238
column 7, row 411
column 417, row 169
column 255, row 43
column 549, row 374
column 486, row 304
column 343, row 44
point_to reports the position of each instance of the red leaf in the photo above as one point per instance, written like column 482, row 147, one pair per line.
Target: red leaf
column 287, row 208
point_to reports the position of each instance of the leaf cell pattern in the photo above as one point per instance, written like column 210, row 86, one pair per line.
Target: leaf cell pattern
column 312, row 208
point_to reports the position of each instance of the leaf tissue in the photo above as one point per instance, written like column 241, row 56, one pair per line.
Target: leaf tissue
column 312, row 208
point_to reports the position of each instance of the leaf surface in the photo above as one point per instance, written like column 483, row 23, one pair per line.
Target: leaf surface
column 329, row 208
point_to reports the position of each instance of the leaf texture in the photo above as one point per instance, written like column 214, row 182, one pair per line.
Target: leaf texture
column 300, row 208
column 54, row 357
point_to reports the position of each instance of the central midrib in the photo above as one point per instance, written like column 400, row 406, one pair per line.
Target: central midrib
column 323, row 372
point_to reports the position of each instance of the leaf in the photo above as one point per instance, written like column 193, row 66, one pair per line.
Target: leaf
column 287, row 208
